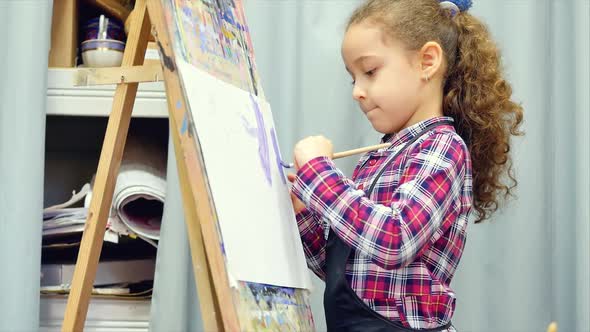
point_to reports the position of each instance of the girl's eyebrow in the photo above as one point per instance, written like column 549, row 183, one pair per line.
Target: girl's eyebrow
column 360, row 60
column 363, row 58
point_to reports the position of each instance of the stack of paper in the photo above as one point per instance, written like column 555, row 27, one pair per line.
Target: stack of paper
column 65, row 219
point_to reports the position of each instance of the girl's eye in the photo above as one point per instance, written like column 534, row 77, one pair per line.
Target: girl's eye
column 368, row 73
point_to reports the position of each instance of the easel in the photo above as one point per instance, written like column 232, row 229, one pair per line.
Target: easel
column 215, row 296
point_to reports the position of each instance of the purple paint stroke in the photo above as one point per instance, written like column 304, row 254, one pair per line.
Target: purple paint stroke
column 251, row 130
column 263, row 151
column 278, row 157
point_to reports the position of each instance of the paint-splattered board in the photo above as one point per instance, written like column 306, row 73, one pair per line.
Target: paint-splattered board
column 212, row 35
column 271, row 308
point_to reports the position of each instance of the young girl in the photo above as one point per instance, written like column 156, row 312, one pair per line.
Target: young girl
column 388, row 241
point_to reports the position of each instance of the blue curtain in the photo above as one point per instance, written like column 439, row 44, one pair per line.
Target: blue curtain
column 25, row 34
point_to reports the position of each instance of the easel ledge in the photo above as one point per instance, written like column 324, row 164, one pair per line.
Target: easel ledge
column 151, row 72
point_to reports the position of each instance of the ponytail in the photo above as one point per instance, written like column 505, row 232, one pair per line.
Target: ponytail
column 478, row 97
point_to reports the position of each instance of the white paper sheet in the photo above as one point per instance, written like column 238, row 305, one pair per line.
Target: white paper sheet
column 249, row 189
column 140, row 190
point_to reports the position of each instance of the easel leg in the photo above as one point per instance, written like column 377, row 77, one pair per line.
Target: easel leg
column 106, row 177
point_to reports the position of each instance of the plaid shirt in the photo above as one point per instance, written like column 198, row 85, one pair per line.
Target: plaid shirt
column 407, row 237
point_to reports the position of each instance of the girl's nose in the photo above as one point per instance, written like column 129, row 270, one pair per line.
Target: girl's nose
column 358, row 93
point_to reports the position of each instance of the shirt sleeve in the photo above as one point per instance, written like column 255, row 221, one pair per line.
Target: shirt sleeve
column 311, row 232
column 422, row 207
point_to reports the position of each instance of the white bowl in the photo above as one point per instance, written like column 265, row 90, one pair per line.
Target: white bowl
column 102, row 58
column 102, row 52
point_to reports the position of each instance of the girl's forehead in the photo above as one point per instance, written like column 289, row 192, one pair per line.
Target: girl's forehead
column 362, row 39
column 362, row 35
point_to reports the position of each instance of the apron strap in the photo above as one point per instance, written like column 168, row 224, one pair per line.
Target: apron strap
column 414, row 139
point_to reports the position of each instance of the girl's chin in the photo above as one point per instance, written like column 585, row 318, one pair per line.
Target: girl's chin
column 383, row 128
column 380, row 128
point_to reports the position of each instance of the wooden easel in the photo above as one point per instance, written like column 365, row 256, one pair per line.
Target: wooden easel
column 215, row 296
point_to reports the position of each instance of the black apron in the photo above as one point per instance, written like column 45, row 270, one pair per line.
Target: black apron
column 345, row 311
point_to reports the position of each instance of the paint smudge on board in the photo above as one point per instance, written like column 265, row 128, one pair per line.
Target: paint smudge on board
column 187, row 126
column 184, row 126
column 274, row 308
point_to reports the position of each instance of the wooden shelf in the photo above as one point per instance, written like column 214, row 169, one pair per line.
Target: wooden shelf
column 63, row 98
column 103, row 315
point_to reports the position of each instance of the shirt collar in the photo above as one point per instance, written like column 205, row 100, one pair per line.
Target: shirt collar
column 408, row 133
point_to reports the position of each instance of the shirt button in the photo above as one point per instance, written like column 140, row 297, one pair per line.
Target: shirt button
column 372, row 162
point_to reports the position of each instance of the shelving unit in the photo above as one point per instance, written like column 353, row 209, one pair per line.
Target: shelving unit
column 76, row 122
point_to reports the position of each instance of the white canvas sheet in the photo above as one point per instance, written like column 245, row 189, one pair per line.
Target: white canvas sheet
column 249, row 188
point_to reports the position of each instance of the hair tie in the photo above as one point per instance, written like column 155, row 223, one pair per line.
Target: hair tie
column 455, row 6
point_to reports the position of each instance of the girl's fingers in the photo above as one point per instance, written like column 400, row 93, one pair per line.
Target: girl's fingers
column 291, row 177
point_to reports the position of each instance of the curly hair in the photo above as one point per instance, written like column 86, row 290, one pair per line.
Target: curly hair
column 476, row 95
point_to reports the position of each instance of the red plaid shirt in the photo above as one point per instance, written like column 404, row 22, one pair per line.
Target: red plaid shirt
column 407, row 237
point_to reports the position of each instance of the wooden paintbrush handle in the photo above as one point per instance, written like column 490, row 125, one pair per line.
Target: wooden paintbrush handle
column 360, row 150
column 348, row 153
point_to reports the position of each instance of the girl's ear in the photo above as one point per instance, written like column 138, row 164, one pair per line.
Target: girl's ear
column 431, row 60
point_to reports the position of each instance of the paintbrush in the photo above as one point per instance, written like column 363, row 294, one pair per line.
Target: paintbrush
column 348, row 153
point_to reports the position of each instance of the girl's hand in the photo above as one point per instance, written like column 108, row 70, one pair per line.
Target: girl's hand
column 298, row 205
column 312, row 147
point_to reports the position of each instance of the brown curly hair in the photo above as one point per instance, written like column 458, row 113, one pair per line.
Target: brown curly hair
column 476, row 94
